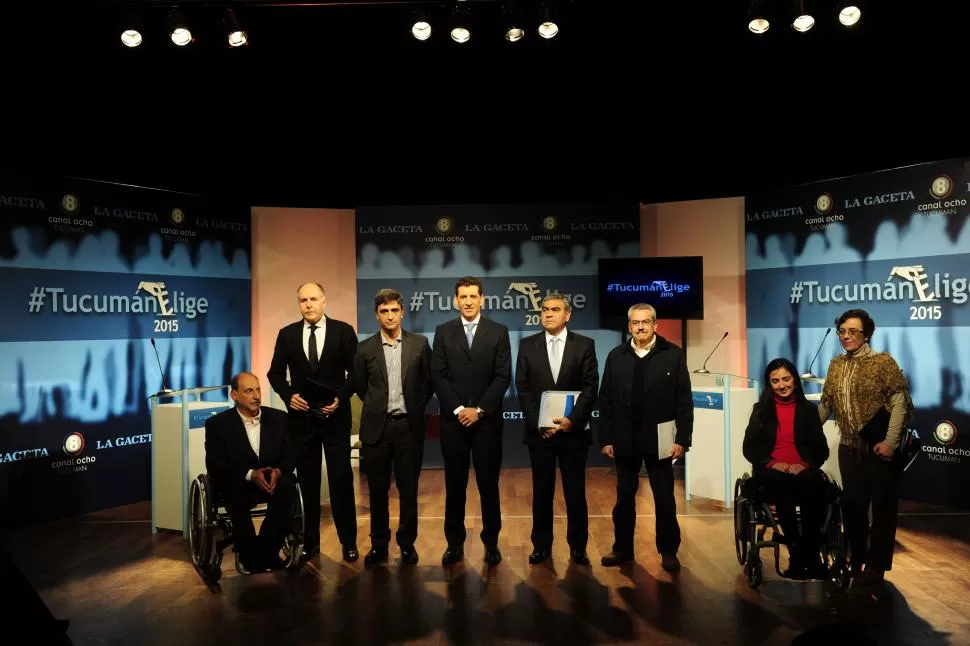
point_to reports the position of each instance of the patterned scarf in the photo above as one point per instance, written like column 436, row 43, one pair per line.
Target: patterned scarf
column 857, row 385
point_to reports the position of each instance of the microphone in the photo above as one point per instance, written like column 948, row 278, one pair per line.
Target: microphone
column 810, row 374
column 703, row 369
column 165, row 391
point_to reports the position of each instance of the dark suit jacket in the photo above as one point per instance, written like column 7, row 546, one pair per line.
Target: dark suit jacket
column 371, row 383
column 667, row 393
column 762, row 433
column 335, row 370
column 578, row 371
column 471, row 377
column 229, row 455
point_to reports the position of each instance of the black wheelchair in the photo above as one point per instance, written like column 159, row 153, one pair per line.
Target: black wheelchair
column 208, row 517
column 753, row 517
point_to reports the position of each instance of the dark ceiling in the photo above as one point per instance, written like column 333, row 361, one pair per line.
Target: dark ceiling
column 638, row 99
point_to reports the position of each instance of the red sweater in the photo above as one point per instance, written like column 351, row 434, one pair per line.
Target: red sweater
column 785, row 449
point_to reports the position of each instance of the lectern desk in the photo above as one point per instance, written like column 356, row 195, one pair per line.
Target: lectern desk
column 178, row 450
column 722, row 407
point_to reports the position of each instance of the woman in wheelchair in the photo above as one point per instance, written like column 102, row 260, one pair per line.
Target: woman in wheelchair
column 786, row 446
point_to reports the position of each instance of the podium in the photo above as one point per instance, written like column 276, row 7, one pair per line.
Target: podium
column 831, row 430
column 722, row 408
column 178, row 449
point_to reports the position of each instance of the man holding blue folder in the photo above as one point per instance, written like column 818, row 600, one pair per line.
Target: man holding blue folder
column 562, row 365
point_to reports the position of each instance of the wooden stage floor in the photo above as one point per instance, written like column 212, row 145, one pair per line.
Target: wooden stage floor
column 118, row 584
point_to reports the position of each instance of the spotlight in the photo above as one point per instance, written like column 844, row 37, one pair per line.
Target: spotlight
column 178, row 29
column 803, row 20
column 758, row 22
column 421, row 27
column 548, row 26
column 131, row 33
column 237, row 35
column 758, row 25
column 513, row 21
column 461, row 25
column 850, row 15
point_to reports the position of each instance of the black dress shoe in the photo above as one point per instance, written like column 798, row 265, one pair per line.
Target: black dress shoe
column 453, row 554
column 669, row 562
column 409, row 555
column 579, row 557
column 376, row 555
column 492, row 555
column 616, row 558
column 309, row 553
column 351, row 554
column 538, row 556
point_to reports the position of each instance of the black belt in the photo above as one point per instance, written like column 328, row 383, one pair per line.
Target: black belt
column 397, row 416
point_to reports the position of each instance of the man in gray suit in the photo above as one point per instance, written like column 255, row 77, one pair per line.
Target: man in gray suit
column 392, row 377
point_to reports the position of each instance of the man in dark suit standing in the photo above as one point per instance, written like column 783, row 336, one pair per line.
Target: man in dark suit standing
column 250, row 460
column 471, row 368
column 392, row 377
column 645, row 386
column 558, row 360
column 322, row 349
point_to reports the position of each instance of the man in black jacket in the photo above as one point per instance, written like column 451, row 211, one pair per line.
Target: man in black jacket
column 250, row 460
column 471, row 368
column 322, row 349
column 645, row 388
column 557, row 359
column 392, row 377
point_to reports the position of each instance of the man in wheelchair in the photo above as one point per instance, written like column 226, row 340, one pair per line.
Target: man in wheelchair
column 250, row 461
column 786, row 446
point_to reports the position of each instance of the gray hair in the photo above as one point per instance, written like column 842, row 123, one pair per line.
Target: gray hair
column 556, row 296
column 641, row 306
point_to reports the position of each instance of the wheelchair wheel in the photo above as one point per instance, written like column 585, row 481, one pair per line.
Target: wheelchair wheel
column 754, row 572
column 742, row 522
column 838, row 571
column 293, row 544
column 202, row 524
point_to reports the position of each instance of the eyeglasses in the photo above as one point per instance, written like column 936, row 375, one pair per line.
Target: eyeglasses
column 849, row 332
column 642, row 323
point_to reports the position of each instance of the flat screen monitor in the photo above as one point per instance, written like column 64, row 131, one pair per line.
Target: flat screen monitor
column 674, row 286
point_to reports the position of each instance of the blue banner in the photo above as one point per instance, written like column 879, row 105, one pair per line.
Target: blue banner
column 896, row 244
column 90, row 274
column 520, row 252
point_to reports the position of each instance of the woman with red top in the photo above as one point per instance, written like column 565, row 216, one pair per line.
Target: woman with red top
column 785, row 443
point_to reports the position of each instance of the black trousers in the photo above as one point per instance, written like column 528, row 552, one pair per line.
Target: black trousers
column 806, row 491
column 661, row 476
column 869, row 480
column 312, row 447
column 572, row 465
column 240, row 497
column 461, row 447
column 398, row 447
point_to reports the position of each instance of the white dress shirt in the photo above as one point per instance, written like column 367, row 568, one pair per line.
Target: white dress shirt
column 252, row 426
column 320, row 333
column 464, row 330
column 562, row 346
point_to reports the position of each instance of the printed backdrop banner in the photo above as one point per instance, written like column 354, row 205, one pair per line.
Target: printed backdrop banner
column 520, row 253
column 896, row 244
column 92, row 272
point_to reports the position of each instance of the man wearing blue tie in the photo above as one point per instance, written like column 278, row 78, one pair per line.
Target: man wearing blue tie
column 555, row 359
column 471, row 368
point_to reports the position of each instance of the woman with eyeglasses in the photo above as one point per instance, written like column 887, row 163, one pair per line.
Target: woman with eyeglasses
column 785, row 444
column 870, row 398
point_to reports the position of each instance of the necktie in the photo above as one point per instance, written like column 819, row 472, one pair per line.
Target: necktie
column 554, row 358
column 469, row 328
column 312, row 353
